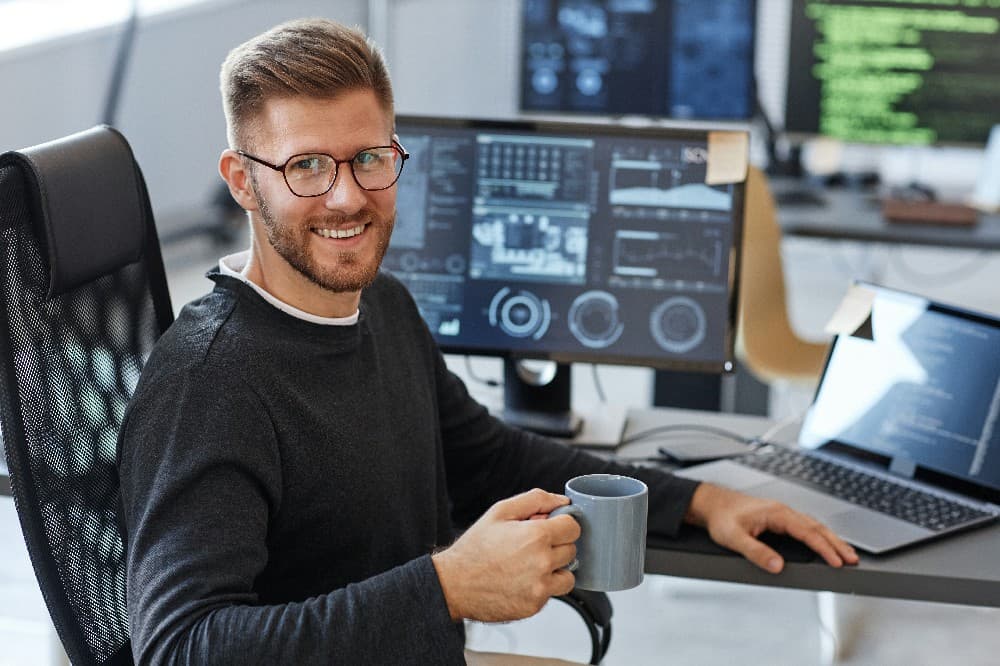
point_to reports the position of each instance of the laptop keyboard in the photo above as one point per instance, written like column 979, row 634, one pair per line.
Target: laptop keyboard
column 867, row 490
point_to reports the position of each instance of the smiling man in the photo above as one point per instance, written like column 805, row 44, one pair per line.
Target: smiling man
column 297, row 454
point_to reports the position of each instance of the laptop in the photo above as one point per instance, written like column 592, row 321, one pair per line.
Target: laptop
column 901, row 443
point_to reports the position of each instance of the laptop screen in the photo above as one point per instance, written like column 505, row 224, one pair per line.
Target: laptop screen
column 916, row 382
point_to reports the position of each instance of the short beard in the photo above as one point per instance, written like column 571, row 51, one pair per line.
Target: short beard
column 349, row 274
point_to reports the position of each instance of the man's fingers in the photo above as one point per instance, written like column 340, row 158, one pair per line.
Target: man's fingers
column 525, row 505
column 834, row 550
column 846, row 550
column 563, row 529
column 758, row 552
column 561, row 582
column 562, row 556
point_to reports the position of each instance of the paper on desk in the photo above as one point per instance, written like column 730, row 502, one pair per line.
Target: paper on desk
column 854, row 314
column 728, row 154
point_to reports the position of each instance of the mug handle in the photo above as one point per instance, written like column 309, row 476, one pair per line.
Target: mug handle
column 577, row 513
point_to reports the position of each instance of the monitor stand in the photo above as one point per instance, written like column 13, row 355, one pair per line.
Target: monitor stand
column 539, row 400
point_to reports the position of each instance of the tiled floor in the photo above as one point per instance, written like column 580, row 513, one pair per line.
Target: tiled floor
column 665, row 620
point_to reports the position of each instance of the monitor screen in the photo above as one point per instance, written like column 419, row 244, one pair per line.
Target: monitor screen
column 568, row 242
column 891, row 72
column 676, row 58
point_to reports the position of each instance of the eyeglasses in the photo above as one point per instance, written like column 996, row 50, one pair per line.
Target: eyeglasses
column 313, row 174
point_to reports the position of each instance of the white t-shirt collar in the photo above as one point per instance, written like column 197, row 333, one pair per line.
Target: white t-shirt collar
column 234, row 265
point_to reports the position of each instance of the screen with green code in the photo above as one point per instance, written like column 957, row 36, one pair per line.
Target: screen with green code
column 894, row 71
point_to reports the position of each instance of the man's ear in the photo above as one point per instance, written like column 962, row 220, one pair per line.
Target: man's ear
column 234, row 171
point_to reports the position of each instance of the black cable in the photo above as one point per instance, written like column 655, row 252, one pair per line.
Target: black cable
column 659, row 459
column 597, row 383
column 691, row 427
column 476, row 378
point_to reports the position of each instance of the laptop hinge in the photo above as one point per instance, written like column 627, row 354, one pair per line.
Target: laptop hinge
column 902, row 466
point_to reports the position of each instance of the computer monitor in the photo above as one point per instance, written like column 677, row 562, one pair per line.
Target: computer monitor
column 671, row 58
column 892, row 72
column 568, row 242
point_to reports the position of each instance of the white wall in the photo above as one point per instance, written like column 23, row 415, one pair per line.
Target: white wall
column 455, row 58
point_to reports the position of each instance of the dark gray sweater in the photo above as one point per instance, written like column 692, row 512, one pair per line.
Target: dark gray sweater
column 284, row 482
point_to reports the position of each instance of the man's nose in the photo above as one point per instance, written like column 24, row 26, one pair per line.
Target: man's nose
column 346, row 196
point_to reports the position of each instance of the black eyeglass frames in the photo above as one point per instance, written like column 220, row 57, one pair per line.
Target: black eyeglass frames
column 313, row 174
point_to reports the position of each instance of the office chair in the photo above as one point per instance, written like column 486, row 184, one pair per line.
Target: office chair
column 84, row 298
column 765, row 340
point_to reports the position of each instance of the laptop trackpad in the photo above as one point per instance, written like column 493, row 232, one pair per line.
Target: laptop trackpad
column 802, row 499
column 874, row 532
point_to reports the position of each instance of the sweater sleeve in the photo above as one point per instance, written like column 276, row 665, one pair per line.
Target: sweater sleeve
column 201, row 479
column 488, row 461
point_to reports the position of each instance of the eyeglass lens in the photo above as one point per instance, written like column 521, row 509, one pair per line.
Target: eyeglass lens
column 373, row 168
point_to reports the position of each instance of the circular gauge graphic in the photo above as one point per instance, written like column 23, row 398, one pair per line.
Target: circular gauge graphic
column 589, row 82
column 520, row 314
column 593, row 319
column 455, row 264
column 678, row 324
column 409, row 262
column 544, row 81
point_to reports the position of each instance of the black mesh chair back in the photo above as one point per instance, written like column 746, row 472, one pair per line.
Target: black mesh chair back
column 83, row 300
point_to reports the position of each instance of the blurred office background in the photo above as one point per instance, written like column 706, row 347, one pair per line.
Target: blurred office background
column 58, row 60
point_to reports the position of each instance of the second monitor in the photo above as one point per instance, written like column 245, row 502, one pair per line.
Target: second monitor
column 676, row 58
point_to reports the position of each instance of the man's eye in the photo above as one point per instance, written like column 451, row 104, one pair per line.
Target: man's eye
column 366, row 158
column 306, row 164
column 372, row 160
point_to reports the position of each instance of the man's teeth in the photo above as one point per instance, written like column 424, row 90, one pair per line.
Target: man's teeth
column 341, row 233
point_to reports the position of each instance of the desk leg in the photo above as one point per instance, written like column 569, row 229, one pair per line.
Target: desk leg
column 838, row 627
column 829, row 640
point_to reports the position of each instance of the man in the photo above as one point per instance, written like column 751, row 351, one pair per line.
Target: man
column 297, row 453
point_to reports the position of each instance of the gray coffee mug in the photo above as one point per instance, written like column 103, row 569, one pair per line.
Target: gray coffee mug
column 611, row 550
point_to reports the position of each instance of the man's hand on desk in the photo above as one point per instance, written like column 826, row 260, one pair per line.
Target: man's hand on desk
column 735, row 520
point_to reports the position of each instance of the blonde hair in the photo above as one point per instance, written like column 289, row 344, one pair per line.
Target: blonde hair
column 316, row 58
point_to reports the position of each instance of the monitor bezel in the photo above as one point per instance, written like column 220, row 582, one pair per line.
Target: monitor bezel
column 724, row 365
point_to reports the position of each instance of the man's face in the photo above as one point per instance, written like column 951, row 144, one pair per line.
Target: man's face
column 299, row 229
